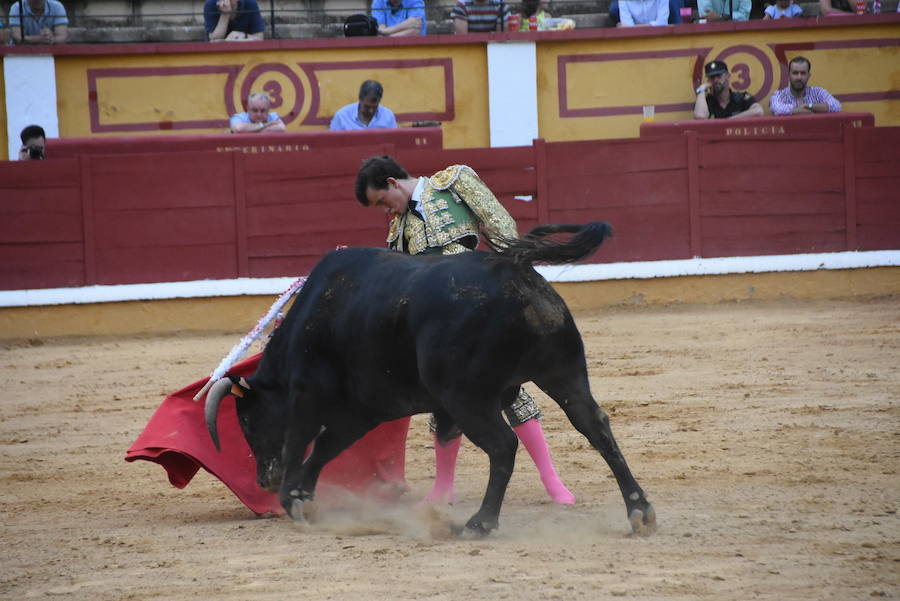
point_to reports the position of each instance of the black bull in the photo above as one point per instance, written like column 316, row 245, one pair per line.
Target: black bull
column 375, row 335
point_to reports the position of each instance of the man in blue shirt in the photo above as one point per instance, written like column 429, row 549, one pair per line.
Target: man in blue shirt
column 367, row 113
column 257, row 119
column 233, row 20
column 399, row 17
column 43, row 22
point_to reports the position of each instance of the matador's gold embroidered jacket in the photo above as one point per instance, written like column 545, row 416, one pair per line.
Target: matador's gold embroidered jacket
column 454, row 202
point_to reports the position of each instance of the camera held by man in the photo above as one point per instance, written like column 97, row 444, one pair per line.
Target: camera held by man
column 33, row 142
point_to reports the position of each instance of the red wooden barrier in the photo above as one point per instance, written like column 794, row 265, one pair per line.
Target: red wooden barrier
column 756, row 127
column 430, row 138
column 757, row 197
column 639, row 186
column 290, row 212
column 43, row 237
column 155, row 217
column 876, row 181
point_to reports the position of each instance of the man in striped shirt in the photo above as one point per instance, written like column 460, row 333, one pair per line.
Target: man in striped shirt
column 799, row 98
column 480, row 16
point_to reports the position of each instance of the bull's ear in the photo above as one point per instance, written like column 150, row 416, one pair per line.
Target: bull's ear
column 239, row 386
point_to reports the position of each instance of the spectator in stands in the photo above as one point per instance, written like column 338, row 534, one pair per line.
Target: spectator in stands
column 399, row 17
column 533, row 10
column 33, row 142
column 640, row 13
column 836, row 8
column 480, row 16
column 799, row 98
column 41, row 21
column 367, row 113
column 717, row 10
column 257, row 119
column 716, row 99
column 646, row 7
column 233, row 20
column 782, row 9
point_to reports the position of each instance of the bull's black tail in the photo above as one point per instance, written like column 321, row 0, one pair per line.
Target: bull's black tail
column 536, row 247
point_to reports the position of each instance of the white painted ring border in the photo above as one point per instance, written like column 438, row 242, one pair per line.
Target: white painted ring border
column 566, row 273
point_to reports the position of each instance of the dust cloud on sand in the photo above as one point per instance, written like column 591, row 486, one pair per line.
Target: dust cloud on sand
column 765, row 434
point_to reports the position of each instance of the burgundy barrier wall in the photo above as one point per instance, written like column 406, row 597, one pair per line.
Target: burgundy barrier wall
column 876, row 188
column 639, row 186
column 155, row 217
column 412, row 137
column 42, row 240
column 761, row 126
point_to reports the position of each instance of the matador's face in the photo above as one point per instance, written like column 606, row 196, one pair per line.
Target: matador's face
column 394, row 200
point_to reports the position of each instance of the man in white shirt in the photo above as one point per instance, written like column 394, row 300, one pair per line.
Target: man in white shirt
column 639, row 13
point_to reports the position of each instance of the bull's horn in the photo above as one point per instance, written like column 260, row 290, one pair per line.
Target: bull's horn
column 215, row 396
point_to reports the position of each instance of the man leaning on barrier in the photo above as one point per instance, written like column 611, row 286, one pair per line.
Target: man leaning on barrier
column 399, row 17
column 233, row 21
column 38, row 22
column 799, row 98
column 366, row 113
column 257, row 119
column 716, row 99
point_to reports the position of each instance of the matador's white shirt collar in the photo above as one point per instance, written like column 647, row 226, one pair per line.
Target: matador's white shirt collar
column 417, row 193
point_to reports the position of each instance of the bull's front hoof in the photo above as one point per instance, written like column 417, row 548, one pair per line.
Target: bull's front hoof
column 643, row 522
column 298, row 504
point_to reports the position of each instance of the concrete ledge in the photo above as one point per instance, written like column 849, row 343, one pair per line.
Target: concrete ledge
column 240, row 313
column 135, row 35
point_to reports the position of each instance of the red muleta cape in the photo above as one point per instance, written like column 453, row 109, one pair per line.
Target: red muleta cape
column 176, row 438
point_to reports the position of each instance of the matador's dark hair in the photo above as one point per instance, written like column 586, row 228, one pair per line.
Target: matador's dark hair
column 374, row 172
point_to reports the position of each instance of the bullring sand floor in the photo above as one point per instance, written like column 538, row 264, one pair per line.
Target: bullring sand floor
column 765, row 433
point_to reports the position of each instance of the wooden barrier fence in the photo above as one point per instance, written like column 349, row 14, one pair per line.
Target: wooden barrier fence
column 161, row 217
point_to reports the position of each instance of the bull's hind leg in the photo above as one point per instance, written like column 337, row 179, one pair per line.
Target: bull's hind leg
column 574, row 396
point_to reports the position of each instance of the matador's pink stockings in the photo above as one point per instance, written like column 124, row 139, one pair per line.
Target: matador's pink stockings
column 444, row 471
column 532, row 436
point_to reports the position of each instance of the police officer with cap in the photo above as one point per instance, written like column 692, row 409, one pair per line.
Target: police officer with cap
column 716, row 99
